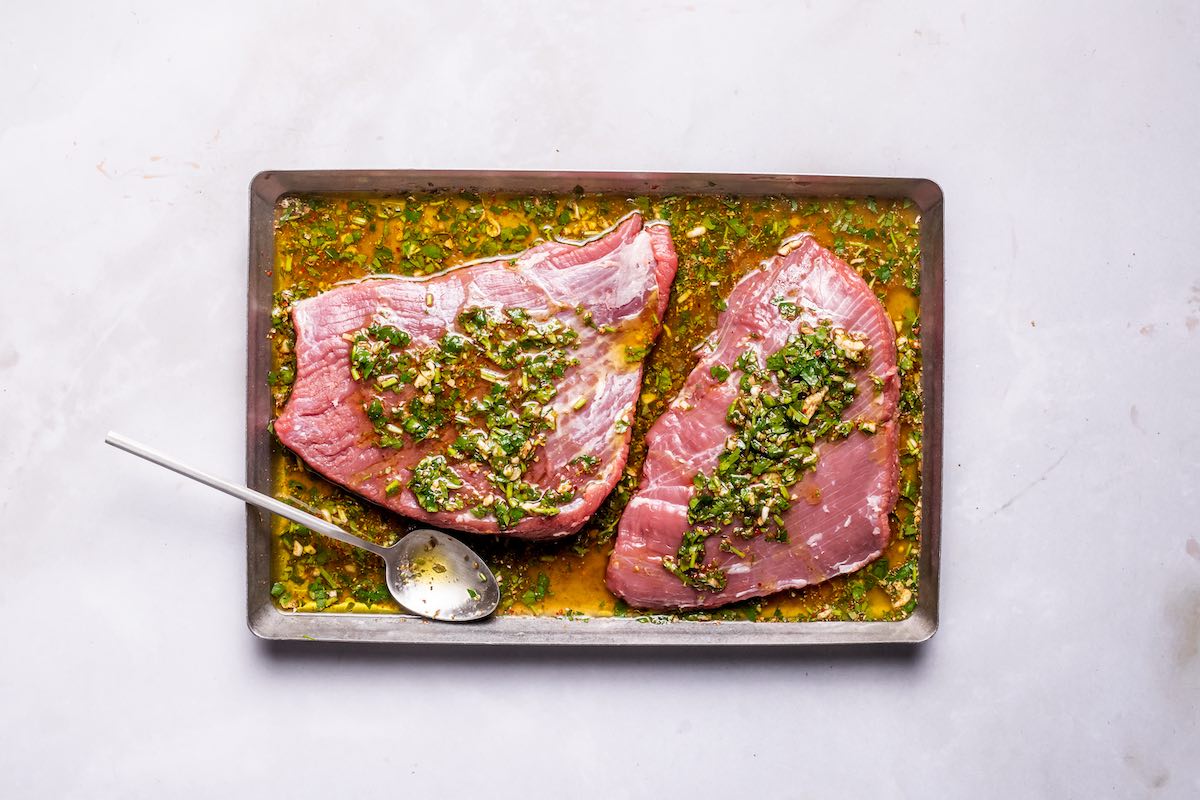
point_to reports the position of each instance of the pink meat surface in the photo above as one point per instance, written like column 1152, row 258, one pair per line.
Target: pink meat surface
column 838, row 520
column 622, row 278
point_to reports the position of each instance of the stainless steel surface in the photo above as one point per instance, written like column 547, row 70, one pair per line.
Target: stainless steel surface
column 434, row 575
column 429, row 573
column 269, row 622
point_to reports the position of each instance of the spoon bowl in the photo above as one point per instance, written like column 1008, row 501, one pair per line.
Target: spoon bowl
column 430, row 573
column 439, row 577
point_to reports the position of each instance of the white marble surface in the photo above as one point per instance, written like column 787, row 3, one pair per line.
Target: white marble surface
column 1065, row 137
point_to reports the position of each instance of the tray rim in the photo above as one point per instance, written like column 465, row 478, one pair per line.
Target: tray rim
column 266, row 621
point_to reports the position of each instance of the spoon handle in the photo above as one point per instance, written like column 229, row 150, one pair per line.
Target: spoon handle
column 244, row 493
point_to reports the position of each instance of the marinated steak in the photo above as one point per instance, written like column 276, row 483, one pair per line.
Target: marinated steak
column 776, row 466
column 495, row 397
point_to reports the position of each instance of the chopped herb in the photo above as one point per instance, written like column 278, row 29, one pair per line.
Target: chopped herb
column 587, row 462
column 518, row 358
column 539, row 592
column 784, row 406
column 433, row 482
column 282, row 376
column 635, row 354
column 787, row 309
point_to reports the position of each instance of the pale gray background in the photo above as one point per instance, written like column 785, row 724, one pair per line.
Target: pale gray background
column 1065, row 137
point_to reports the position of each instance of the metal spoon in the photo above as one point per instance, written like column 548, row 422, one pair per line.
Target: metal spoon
column 428, row 572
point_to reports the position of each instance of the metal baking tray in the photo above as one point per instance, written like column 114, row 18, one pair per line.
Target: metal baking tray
column 269, row 622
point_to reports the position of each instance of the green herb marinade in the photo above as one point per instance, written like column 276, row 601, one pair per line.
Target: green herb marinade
column 321, row 240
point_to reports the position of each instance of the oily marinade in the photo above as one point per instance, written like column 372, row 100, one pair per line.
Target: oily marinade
column 321, row 240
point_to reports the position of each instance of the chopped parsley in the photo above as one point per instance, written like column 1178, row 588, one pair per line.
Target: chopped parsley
column 487, row 389
column 587, row 462
column 539, row 592
column 432, row 483
column 784, row 406
column 378, row 350
column 635, row 354
column 787, row 309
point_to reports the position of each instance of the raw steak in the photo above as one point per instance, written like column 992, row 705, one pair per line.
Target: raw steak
column 604, row 299
column 838, row 518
